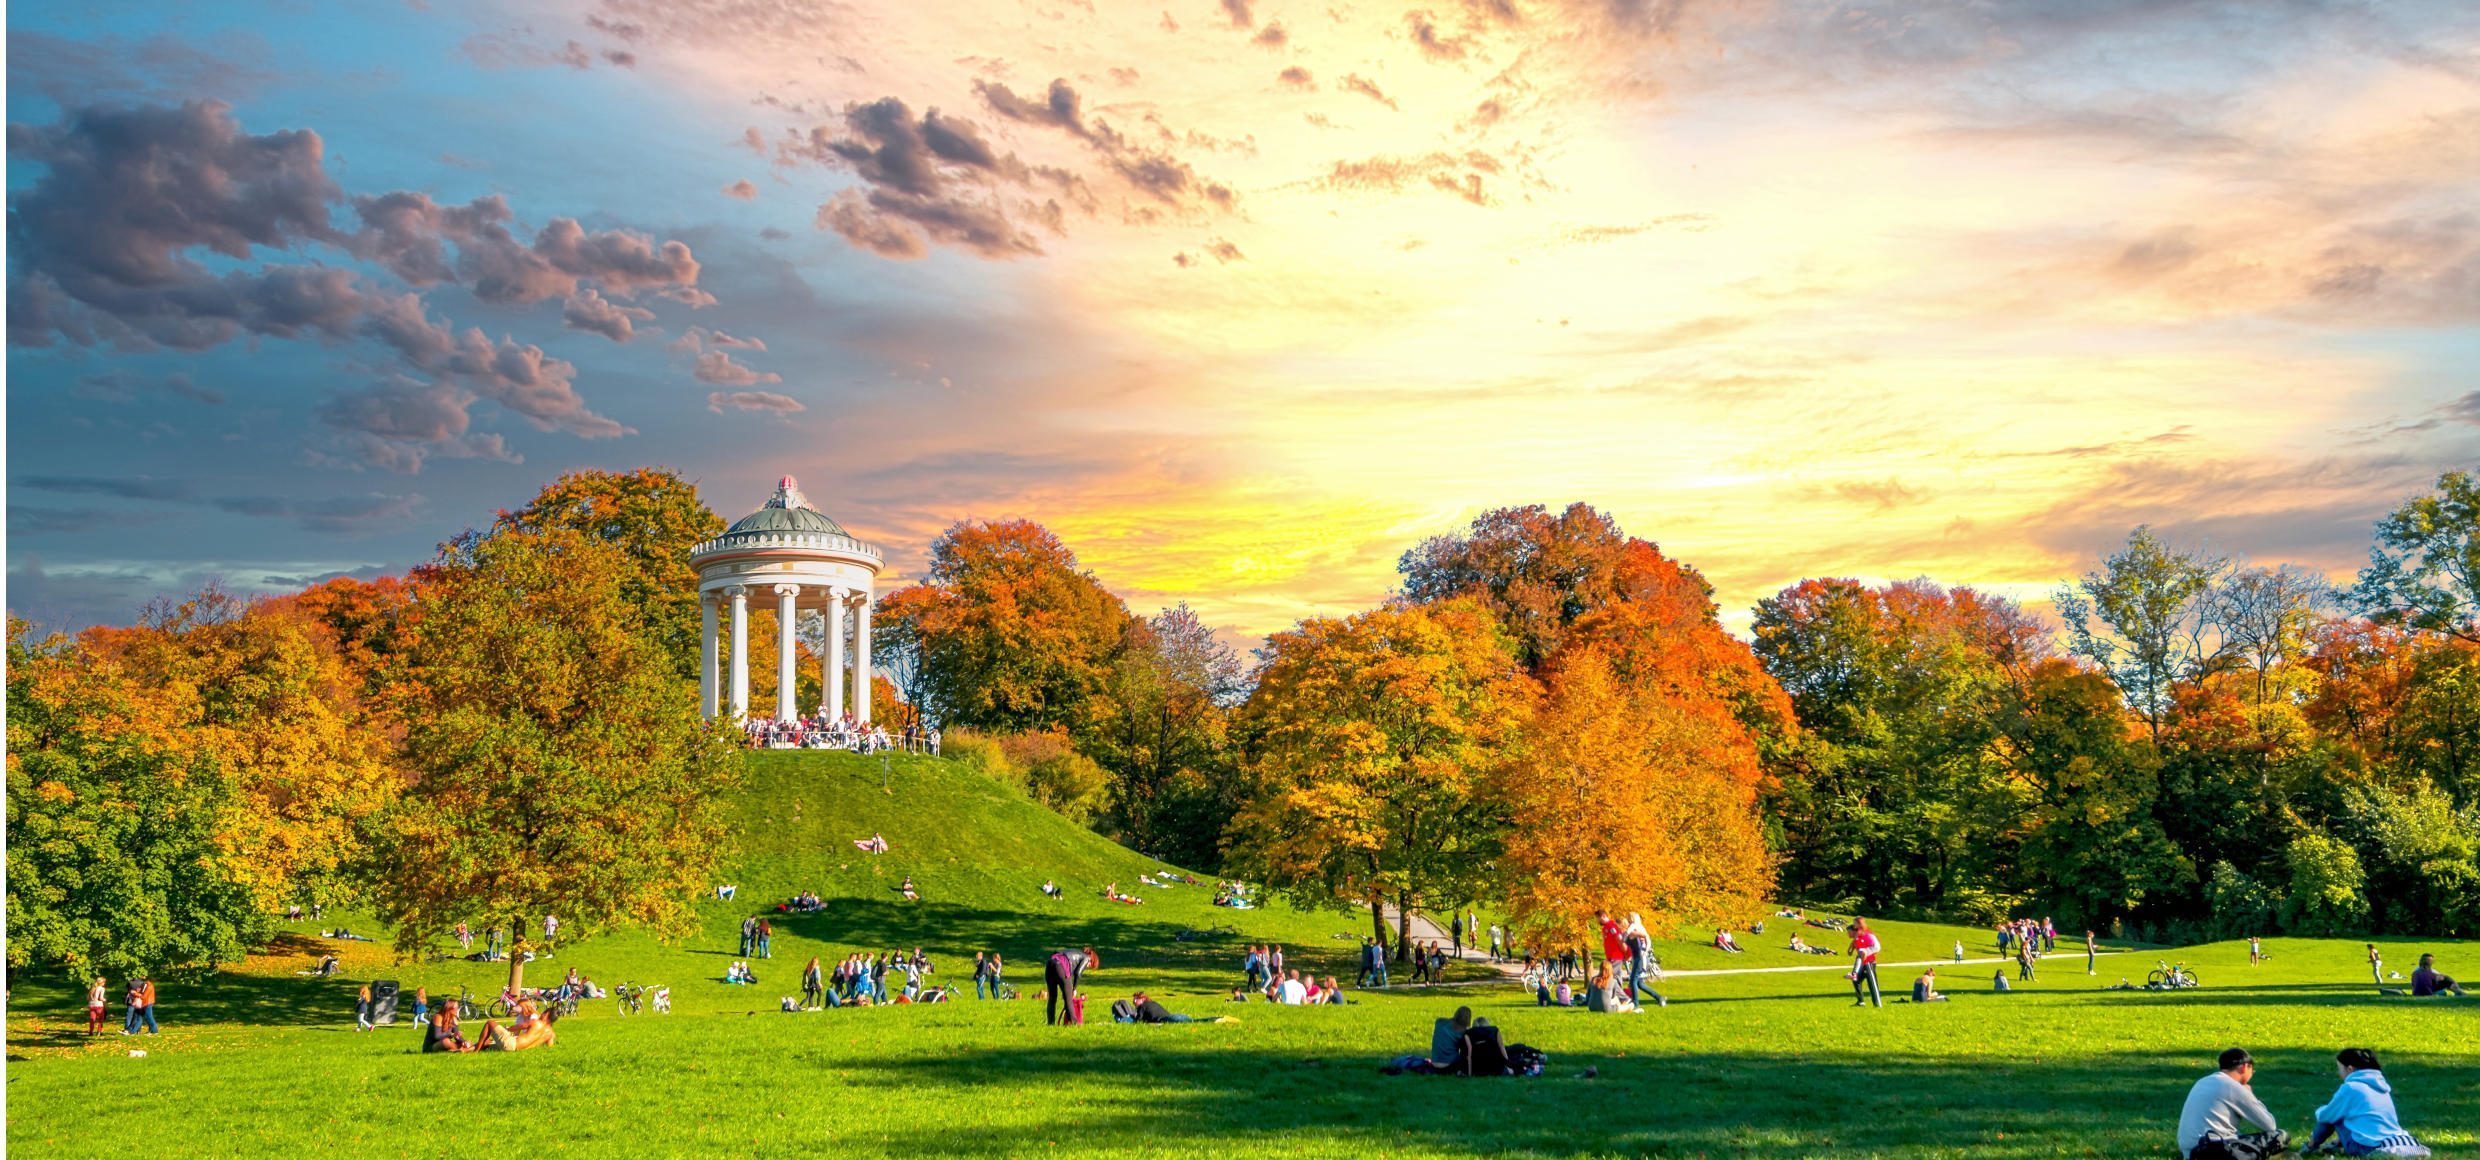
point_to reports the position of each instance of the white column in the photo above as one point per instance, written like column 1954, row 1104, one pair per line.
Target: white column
column 706, row 657
column 834, row 684
column 740, row 653
column 861, row 657
column 787, row 651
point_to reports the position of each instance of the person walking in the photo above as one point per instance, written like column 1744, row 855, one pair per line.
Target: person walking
column 2090, row 951
column 361, row 1009
column 2024, row 958
column 95, row 1003
column 1061, row 977
column 1640, row 960
column 1377, row 960
column 1864, row 948
column 145, row 1016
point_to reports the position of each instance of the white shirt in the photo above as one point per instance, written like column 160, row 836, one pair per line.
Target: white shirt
column 1293, row 992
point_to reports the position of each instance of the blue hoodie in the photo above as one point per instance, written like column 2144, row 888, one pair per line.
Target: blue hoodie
column 2364, row 1106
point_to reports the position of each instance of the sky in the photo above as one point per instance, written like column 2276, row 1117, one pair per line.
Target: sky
column 1242, row 298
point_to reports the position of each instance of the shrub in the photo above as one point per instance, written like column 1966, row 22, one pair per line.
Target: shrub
column 2326, row 881
column 2241, row 906
column 1050, row 769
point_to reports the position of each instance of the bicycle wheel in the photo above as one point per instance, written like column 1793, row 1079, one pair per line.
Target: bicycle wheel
column 2188, row 979
column 498, row 1009
column 2156, row 980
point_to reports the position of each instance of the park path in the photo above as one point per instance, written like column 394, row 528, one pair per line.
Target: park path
column 1424, row 929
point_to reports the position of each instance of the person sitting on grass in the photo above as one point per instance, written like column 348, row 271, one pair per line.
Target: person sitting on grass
column 442, row 1034
column 1332, row 995
column 1924, row 988
column 2360, row 1119
column 1999, row 984
column 2219, row 1107
column 2428, row 980
column 1724, row 941
column 1052, row 891
column 910, row 895
column 1608, row 996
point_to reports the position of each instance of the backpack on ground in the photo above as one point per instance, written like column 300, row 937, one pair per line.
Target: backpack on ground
column 1076, row 1009
column 1523, row 1059
column 1123, row 1011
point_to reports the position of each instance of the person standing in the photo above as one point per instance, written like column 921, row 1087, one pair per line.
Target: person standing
column 146, row 1008
column 2219, row 1106
column 2376, row 966
column 2090, row 951
column 1274, row 964
column 551, row 932
column 95, row 1004
column 361, row 1009
column 998, row 968
column 814, row 983
column 1377, row 960
column 1455, row 931
column 1640, row 960
column 2025, row 955
column 766, row 939
column 981, row 974
column 2256, row 951
column 1864, row 948
column 749, row 935
column 1061, row 977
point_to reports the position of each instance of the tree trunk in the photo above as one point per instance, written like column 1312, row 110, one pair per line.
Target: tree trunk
column 1403, row 928
column 1377, row 916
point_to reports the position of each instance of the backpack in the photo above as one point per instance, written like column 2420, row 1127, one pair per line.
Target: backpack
column 1076, row 1009
column 1525, row 1060
column 1123, row 1011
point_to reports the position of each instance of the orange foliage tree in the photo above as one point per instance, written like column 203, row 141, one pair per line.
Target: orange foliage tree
column 1372, row 737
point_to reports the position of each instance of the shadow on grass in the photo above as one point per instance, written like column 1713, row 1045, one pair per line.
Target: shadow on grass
column 1181, row 1096
column 1026, row 938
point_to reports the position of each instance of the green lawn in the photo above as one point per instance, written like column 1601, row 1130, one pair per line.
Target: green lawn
column 259, row 1060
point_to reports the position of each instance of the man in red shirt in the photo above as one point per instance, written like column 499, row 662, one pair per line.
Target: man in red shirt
column 1614, row 944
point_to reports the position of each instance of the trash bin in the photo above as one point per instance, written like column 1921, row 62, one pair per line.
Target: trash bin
column 383, row 1003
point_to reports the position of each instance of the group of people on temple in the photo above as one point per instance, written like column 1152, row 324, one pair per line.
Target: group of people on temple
column 820, row 731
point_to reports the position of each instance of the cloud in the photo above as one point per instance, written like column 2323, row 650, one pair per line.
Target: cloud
column 1464, row 175
column 764, row 401
column 409, row 234
column 1296, row 77
column 400, row 422
column 117, row 487
column 1884, row 495
column 717, row 367
column 116, row 386
column 698, row 338
column 1223, row 251
column 1356, row 83
column 744, row 190
column 517, row 376
column 1435, row 45
column 589, row 311
column 1237, row 11
column 1271, row 36
column 930, row 177
column 1157, row 174
column 335, row 515
column 158, row 68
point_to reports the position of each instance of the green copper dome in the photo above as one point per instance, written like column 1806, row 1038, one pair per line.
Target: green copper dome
column 789, row 511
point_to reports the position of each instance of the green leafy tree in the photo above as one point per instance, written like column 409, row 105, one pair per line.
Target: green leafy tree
column 2144, row 618
column 1161, row 726
column 114, row 863
column 2325, row 890
column 651, row 517
column 2424, row 571
column 560, row 764
column 2093, row 845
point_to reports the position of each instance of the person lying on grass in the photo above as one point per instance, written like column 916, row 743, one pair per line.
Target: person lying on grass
column 2219, row 1106
column 1150, row 1010
column 527, row 1031
column 2360, row 1119
column 1801, row 945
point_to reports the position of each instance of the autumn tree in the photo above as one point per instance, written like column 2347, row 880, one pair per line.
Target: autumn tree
column 651, row 517
column 2424, row 571
column 1534, row 572
column 1006, row 633
column 1629, row 799
column 1372, row 737
column 562, row 766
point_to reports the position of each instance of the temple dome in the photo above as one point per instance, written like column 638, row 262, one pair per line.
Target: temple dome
column 788, row 511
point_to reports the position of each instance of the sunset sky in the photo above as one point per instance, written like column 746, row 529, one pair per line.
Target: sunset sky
column 1241, row 299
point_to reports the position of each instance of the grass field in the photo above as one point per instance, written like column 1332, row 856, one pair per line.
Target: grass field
column 260, row 1060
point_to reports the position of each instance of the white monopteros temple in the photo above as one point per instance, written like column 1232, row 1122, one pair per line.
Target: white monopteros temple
column 792, row 554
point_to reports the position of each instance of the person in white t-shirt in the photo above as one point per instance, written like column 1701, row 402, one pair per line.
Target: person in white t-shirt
column 1291, row 990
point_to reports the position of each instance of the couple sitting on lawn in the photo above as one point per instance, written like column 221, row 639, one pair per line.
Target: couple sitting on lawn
column 525, row 1032
column 1463, row 1045
column 2358, row 1121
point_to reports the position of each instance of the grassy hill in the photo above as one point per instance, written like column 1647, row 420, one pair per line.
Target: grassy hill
column 1766, row 1062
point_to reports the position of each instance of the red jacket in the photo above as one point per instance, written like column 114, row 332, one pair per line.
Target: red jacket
column 1614, row 944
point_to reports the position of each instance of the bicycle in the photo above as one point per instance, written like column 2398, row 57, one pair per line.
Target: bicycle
column 466, row 1007
column 631, row 997
column 2167, row 977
